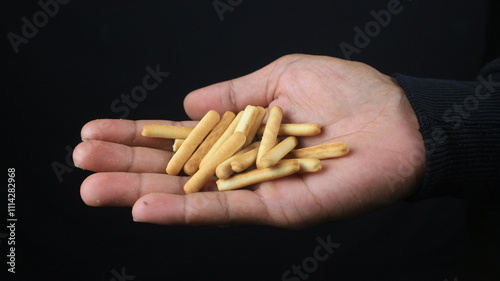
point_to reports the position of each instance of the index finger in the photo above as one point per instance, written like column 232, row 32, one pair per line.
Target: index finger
column 128, row 132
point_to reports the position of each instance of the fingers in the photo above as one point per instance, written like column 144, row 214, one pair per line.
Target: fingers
column 124, row 189
column 209, row 208
column 257, row 88
column 285, row 202
column 127, row 132
column 102, row 156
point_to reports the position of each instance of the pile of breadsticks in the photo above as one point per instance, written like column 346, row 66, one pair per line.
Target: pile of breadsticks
column 241, row 145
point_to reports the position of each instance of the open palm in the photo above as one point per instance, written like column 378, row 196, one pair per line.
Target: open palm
column 353, row 102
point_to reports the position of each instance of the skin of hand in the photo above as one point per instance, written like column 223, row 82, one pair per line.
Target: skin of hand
column 352, row 102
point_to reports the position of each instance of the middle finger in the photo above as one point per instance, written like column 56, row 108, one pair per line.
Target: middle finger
column 102, row 156
column 123, row 189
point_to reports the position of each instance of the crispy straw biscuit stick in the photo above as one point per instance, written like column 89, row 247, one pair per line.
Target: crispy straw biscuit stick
column 224, row 170
column 203, row 175
column 249, row 116
column 278, row 152
column 258, row 175
column 309, row 165
column 269, row 137
column 193, row 163
column 322, row 151
column 229, row 131
column 256, row 125
column 177, row 144
column 201, row 130
column 166, row 131
column 247, row 159
column 298, row 130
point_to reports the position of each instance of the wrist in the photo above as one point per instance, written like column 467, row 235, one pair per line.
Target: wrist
column 411, row 168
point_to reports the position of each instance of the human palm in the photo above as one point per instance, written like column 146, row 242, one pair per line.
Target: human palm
column 352, row 102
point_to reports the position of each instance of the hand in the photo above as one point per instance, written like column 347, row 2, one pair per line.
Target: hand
column 352, row 101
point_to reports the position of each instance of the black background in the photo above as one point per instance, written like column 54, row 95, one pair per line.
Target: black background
column 91, row 52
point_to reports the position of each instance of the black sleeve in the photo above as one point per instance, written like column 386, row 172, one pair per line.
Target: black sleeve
column 460, row 126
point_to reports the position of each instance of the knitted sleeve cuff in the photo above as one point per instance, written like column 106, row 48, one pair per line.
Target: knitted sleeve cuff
column 460, row 125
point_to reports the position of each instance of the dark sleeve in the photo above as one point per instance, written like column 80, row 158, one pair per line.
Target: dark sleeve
column 460, row 126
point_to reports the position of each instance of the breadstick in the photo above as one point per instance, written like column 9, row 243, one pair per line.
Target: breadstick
column 166, row 131
column 229, row 131
column 298, row 130
column 261, row 113
column 270, row 134
column 201, row 130
column 323, row 151
column 224, row 169
column 177, row 144
column 278, row 152
column 309, row 165
column 193, row 163
column 242, row 162
column 203, row 175
column 249, row 115
column 258, row 175
column 181, row 132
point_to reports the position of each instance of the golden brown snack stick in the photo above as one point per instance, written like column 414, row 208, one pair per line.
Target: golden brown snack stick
column 166, row 131
column 298, row 130
column 308, row 165
column 229, row 131
column 181, row 132
column 249, row 115
column 242, row 162
column 177, row 144
column 269, row 137
column 201, row 130
column 261, row 113
column 203, row 175
column 224, row 169
column 258, row 175
column 322, row 151
column 193, row 163
column 278, row 152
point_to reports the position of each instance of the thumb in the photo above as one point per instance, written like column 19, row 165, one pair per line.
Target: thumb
column 256, row 88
